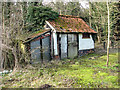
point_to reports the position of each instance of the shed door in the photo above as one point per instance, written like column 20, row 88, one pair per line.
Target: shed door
column 63, row 46
column 46, row 48
column 72, row 46
column 35, row 51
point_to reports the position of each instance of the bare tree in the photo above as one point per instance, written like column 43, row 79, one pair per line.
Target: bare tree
column 12, row 28
column 108, row 44
column 0, row 33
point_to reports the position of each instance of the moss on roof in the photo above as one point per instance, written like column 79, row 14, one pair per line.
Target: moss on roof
column 67, row 23
column 29, row 35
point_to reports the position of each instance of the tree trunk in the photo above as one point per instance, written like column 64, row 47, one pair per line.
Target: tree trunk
column 98, row 36
column 108, row 44
column 16, row 59
column 89, row 14
column 0, row 34
column 3, row 36
column 15, row 53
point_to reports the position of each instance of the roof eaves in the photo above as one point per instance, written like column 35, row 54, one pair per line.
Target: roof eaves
column 35, row 37
column 51, row 26
column 92, row 28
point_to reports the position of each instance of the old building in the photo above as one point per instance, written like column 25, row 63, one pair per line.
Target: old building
column 66, row 37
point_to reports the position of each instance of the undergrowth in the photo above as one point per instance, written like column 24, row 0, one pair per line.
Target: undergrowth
column 89, row 71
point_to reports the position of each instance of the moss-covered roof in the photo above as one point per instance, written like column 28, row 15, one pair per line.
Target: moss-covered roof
column 28, row 36
column 68, row 23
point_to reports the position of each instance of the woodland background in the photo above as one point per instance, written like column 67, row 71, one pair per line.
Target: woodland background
column 21, row 18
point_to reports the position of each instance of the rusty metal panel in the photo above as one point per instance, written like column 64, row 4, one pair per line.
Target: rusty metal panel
column 35, row 51
column 46, row 48
column 63, row 46
column 72, row 46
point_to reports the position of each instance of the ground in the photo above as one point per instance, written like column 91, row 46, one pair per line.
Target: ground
column 89, row 71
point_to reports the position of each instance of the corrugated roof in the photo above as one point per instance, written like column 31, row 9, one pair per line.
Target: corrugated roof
column 39, row 33
column 68, row 23
column 36, row 35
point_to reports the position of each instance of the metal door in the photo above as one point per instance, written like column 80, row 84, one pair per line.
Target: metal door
column 46, row 48
column 63, row 46
column 72, row 46
column 35, row 51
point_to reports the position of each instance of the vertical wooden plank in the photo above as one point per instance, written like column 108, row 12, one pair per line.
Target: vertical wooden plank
column 52, row 46
column 58, row 45
column 77, row 45
column 35, row 51
column 67, row 45
column 55, row 43
column 63, row 46
column 46, row 48
column 41, row 51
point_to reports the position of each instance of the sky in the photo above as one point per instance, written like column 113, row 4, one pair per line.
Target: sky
column 83, row 3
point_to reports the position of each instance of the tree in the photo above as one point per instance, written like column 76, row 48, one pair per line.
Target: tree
column 114, row 17
column 98, row 19
column 70, row 8
column 37, row 15
column 113, row 25
column 100, row 14
column 12, row 24
column 0, row 33
column 108, row 44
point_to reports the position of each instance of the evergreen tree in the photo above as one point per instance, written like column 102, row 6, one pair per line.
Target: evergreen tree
column 36, row 16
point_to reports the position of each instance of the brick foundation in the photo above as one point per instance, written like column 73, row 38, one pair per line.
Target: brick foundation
column 84, row 52
column 56, row 57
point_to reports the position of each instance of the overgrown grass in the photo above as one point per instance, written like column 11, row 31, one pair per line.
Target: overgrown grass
column 89, row 71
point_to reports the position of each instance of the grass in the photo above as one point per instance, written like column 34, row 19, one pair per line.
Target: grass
column 82, row 72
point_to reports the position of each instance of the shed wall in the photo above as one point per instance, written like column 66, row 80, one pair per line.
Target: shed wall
column 40, row 49
column 85, row 43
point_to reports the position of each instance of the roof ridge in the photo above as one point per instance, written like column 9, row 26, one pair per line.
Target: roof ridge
column 69, row 16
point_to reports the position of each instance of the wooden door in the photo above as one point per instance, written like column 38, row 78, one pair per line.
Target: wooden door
column 63, row 46
column 72, row 46
column 35, row 51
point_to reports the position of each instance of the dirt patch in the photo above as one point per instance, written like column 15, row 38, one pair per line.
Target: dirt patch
column 46, row 86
